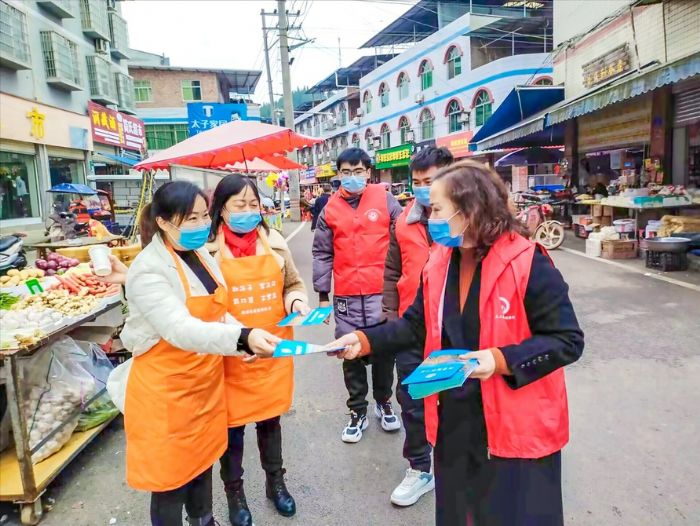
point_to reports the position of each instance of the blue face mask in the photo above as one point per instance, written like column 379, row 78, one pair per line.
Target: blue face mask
column 354, row 183
column 195, row 237
column 422, row 194
column 440, row 232
column 243, row 222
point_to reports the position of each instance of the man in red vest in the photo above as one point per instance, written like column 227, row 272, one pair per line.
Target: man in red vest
column 349, row 249
column 409, row 248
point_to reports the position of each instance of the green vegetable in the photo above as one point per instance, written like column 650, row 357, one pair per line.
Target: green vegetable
column 7, row 300
column 100, row 411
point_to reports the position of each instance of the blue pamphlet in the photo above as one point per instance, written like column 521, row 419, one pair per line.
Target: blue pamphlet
column 315, row 317
column 440, row 371
column 287, row 348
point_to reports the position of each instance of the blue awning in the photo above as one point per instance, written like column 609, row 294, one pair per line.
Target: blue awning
column 126, row 161
column 521, row 102
column 72, row 188
column 627, row 87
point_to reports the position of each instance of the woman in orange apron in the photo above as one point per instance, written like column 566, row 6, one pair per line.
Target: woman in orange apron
column 178, row 330
column 264, row 286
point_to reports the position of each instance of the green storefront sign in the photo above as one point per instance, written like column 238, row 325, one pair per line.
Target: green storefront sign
column 393, row 157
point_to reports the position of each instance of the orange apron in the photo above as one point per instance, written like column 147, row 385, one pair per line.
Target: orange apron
column 262, row 389
column 174, row 420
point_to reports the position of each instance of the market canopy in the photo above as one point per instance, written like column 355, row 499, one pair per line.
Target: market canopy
column 228, row 144
column 527, row 156
column 274, row 163
column 521, row 103
column 72, row 188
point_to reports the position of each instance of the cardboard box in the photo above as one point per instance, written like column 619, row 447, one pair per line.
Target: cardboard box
column 606, row 221
column 624, row 249
column 585, row 220
column 596, row 210
column 598, row 220
column 607, row 211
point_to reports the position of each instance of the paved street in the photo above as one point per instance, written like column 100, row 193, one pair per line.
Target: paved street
column 633, row 458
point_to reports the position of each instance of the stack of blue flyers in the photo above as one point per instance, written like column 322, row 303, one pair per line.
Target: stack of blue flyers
column 315, row 317
column 440, row 371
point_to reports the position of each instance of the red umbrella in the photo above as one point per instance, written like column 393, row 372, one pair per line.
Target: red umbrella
column 274, row 163
column 231, row 143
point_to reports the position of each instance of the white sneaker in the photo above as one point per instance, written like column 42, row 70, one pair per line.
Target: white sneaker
column 385, row 413
column 353, row 431
column 414, row 484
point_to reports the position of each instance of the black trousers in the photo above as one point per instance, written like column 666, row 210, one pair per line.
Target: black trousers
column 269, row 445
column 355, row 374
column 195, row 496
column 416, row 448
column 475, row 490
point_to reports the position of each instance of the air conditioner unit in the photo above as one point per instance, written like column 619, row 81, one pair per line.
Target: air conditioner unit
column 356, row 121
column 112, row 5
column 419, row 98
column 102, row 46
column 359, row 112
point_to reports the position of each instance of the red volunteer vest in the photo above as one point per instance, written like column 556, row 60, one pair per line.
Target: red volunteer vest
column 360, row 242
column 530, row 422
column 415, row 250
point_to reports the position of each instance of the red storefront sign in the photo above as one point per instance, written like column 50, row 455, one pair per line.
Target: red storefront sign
column 457, row 143
column 116, row 128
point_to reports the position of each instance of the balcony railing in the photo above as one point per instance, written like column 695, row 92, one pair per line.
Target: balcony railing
column 93, row 17
column 101, row 80
column 59, row 8
column 60, row 61
column 14, row 41
column 120, row 36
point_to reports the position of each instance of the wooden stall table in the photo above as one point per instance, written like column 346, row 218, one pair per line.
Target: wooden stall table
column 43, row 248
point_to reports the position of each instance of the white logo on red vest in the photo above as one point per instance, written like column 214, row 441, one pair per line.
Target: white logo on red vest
column 373, row 215
column 505, row 309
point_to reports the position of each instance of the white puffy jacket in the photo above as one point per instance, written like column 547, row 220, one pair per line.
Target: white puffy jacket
column 156, row 300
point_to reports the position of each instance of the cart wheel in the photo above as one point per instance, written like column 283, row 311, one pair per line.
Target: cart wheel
column 550, row 235
column 31, row 513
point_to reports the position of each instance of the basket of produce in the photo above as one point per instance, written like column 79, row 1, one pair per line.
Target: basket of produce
column 56, row 263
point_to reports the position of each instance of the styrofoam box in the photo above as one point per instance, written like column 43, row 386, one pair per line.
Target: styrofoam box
column 594, row 248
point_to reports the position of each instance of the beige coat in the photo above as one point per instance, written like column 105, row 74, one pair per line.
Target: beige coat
column 294, row 287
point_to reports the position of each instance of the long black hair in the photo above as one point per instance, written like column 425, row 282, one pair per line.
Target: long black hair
column 230, row 185
column 174, row 200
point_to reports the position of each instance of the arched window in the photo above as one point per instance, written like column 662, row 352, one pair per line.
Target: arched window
column 386, row 135
column 344, row 142
column 454, row 62
column 425, row 72
column 383, row 95
column 404, row 127
column 482, row 107
column 427, row 121
column 369, row 135
column 342, row 115
column 355, row 140
column 454, row 115
column 367, row 100
column 402, row 84
column 543, row 81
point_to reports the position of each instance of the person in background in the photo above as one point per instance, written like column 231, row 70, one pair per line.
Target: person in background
column 349, row 250
column 319, row 204
column 265, row 287
column 487, row 287
column 175, row 423
column 409, row 248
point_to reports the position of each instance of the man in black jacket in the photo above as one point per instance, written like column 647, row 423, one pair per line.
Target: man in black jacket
column 319, row 204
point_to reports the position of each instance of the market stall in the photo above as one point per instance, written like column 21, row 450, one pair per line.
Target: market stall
column 55, row 385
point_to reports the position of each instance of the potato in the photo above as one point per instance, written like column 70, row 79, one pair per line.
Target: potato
column 5, row 279
column 13, row 272
column 24, row 274
column 40, row 273
column 14, row 281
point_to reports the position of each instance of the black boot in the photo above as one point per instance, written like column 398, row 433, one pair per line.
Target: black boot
column 238, row 512
column 276, row 491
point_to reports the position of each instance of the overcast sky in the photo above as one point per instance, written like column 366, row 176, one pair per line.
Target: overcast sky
column 227, row 34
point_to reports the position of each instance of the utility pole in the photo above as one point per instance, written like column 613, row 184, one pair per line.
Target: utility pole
column 288, row 106
column 273, row 113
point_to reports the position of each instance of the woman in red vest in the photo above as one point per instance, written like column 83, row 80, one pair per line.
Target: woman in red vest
column 486, row 286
